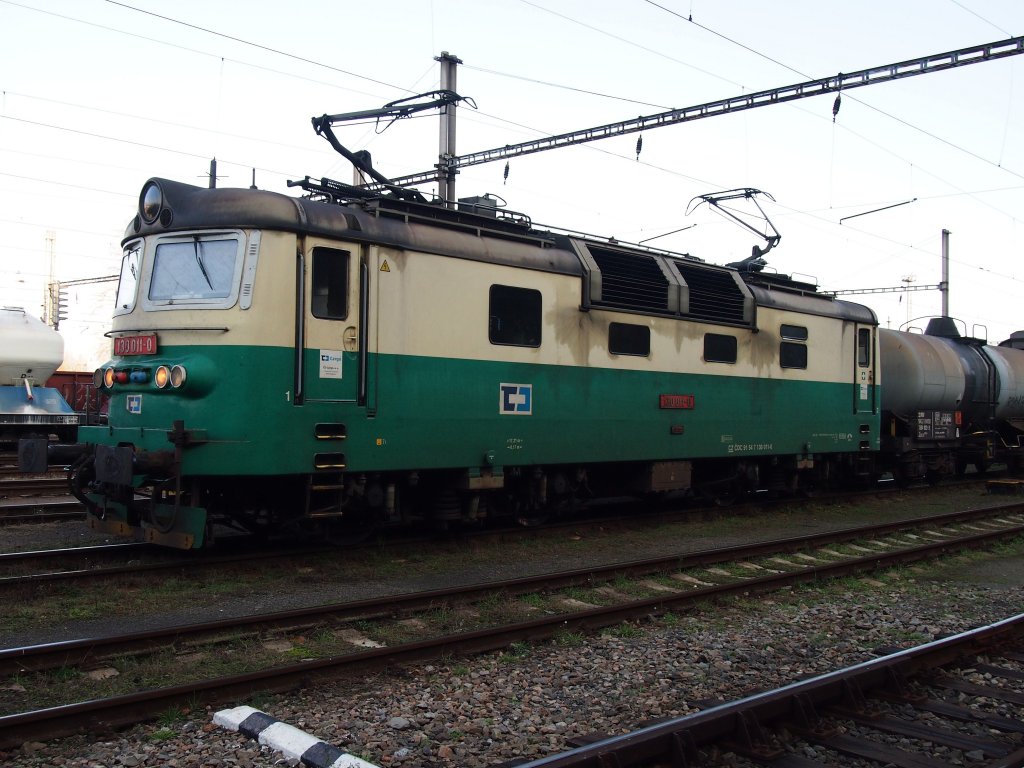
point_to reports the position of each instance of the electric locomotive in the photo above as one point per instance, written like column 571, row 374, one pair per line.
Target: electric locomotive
column 29, row 354
column 363, row 360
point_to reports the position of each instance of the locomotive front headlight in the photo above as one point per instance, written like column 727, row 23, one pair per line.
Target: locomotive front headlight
column 151, row 201
column 108, row 378
column 178, row 376
column 97, row 378
column 162, row 377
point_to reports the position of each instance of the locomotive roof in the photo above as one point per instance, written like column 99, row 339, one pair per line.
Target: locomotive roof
column 404, row 225
column 769, row 295
column 511, row 241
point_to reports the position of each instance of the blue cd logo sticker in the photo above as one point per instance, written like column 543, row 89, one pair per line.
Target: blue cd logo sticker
column 515, row 399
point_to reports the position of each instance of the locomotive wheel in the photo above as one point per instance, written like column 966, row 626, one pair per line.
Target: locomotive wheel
column 727, row 495
column 357, row 526
column 900, row 477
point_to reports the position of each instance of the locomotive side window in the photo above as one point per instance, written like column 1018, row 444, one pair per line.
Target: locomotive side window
column 330, row 283
column 794, row 332
column 719, row 348
column 196, row 269
column 864, row 347
column 127, row 286
column 514, row 316
column 793, row 353
column 629, row 339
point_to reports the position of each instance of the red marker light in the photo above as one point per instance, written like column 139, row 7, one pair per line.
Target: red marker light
column 121, row 377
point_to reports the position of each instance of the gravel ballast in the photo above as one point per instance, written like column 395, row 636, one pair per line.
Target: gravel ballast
column 527, row 702
column 531, row 699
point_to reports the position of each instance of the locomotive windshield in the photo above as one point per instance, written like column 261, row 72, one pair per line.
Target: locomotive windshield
column 194, row 269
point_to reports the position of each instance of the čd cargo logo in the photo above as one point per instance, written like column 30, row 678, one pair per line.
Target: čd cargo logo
column 515, row 399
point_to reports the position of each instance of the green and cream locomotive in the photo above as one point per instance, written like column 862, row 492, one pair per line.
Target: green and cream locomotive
column 280, row 361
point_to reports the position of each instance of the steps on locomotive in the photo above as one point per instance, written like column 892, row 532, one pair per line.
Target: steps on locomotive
column 324, row 497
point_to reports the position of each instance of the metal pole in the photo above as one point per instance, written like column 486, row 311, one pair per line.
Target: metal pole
column 446, row 151
column 49, row 301
column 944, row 284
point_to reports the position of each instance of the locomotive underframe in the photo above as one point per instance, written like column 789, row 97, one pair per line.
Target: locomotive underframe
column 141, row 494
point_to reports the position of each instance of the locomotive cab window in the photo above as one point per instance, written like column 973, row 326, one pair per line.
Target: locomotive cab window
column 719, row 348
column 330, row 284
column 629, row 339
column 792, row 355
column 196, row 270
column 793, row 332
column 514, row 316
column 864, row 347
column 792, row 351
column 127, row 286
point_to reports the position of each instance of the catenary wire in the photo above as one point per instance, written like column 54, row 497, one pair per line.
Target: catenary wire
column 389, row 85
column 900, row 120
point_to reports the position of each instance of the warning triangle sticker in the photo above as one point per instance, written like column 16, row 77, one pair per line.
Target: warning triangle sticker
column 384, row 266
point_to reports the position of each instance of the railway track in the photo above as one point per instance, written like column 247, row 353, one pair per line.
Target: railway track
column 673, row 583
column 91, row 563
column 53, row 511
column 21, row 486
column 81, row 564
column 923, row 707
column 36, row 498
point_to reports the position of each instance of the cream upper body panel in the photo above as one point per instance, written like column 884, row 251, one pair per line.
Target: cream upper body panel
column 438, row 307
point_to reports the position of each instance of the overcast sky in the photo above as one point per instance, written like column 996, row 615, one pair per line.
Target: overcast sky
column 98, row 96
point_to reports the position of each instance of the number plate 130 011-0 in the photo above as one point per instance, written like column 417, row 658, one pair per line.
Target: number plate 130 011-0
column 135, row 345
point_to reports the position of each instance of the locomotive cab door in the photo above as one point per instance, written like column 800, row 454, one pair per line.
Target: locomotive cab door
column 328, row 323
column 864, row 376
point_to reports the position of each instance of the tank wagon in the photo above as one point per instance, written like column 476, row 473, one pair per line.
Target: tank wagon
column 29, row 354
column 278, row 361
column 950, row 400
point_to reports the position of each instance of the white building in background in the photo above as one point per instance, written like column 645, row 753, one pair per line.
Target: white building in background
column 89, row 310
